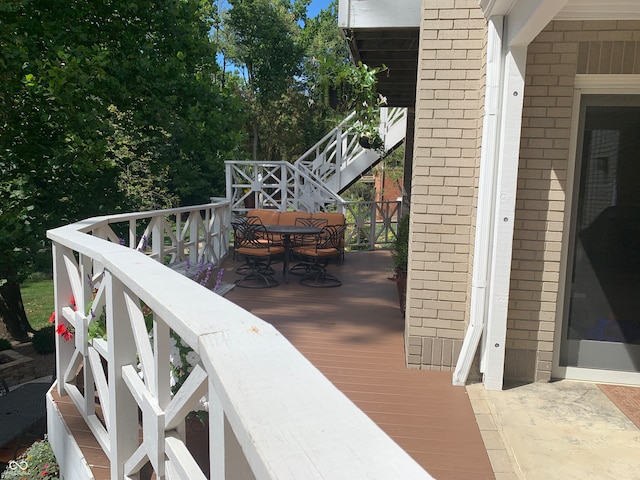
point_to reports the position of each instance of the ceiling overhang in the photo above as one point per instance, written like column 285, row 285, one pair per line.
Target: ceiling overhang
column 525, row 19
column 571, row 9
column 387, row 32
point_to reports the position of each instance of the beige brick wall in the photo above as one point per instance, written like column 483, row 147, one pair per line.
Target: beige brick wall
column 554, row 57
column 448, row 127
column 446, row 165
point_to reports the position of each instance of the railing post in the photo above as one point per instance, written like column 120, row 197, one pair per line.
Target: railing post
column 373, row 234
column 194, row 239
column 157, row 239
column 62, row 294
column 180, row 239
column 133, row 235
column 216, row 435
column 123, row 410
column 227, row 459
column 341, row 139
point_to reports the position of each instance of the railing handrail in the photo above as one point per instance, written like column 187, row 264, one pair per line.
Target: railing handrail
column 290, row 422
column 344, row 123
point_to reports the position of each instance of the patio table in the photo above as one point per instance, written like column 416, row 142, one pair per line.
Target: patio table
column 21, row 409
column 286, row 231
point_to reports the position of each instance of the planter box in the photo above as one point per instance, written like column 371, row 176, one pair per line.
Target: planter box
column 16, row 368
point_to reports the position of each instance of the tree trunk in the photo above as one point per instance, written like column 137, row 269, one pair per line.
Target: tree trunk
column 12, row 311
column 255, row 141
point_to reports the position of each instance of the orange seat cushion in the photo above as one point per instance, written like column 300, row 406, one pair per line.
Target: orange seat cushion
column 332, row 218
column 267, row 217
column 289, row 218
column 260, row 252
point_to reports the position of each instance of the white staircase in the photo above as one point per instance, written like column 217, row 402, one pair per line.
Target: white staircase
column 338, row 159
column 314, row 182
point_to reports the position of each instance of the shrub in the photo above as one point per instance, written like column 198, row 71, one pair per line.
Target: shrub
column 400, row 248
column 5, row 344
column 37, row 462
column 44, row 340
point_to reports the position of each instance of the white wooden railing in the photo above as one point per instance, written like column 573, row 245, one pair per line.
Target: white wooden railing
column 338, row 158
column 314, row 181
column 272, row 415
column 277, row 185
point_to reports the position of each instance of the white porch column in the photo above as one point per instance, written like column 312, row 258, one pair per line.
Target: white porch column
column 500, row 269
column 486, row 196
column 523, row 20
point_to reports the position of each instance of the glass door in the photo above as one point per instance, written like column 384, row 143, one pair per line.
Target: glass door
column 601, row 328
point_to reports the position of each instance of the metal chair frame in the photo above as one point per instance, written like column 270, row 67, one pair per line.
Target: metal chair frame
column 255, row 245
column 305, row 240
column 315, row 258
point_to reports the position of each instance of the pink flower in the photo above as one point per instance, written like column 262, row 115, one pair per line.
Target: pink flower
column 52, row 318
column 61, row 329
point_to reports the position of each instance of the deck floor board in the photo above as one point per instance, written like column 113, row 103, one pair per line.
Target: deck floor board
column 354, row 335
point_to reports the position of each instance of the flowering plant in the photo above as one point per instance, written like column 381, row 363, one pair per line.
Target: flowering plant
column 62, row 329
column 182, row 357
column 37, row 462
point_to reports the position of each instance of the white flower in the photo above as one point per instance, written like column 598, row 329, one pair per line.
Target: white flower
column 192, row 358
column 204, row 403
column 174, row 358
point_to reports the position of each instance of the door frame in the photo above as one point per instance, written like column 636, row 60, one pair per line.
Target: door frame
column 584, row 85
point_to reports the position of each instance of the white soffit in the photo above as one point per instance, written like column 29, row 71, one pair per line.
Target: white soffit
column 574, row 9
column 600, row 10
column 354, row 14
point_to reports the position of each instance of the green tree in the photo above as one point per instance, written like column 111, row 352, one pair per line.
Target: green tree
column 264, row 44
column 98, row 99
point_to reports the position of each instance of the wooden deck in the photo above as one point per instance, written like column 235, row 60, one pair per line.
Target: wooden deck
column 354, row 335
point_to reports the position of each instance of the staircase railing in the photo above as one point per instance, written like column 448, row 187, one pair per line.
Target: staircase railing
column 338, row 158
column 277, row 185
column 314, row 182
column 271, row 414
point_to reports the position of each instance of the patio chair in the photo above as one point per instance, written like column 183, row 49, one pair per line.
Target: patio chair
column 315, row 258
column 305, row 240
column 299, row 240
column 254, row 246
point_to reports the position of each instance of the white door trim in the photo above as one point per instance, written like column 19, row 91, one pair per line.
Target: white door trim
column 585, row 85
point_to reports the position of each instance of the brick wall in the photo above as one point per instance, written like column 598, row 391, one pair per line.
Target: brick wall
column 444, row 182
column 446, row 165
column 561, row 51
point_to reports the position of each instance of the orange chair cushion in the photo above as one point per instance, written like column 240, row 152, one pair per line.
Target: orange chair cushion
column 333, row 218
column 260, row 252
column 289, row 218
column 312, row 252
column 267, row 217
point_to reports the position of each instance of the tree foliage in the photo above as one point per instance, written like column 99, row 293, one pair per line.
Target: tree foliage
column 276, row 51
column 104, row 106
column 118, row 105
column 262, row 40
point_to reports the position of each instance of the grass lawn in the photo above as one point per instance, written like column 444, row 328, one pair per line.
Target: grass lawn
column 37, row 296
